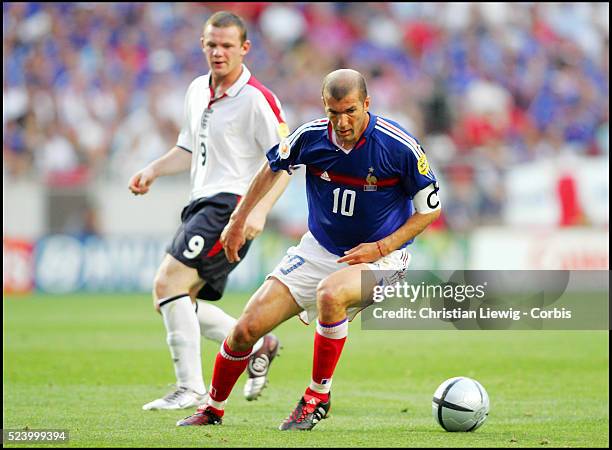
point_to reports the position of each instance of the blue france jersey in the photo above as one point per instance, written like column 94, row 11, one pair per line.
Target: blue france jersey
column 360, row 196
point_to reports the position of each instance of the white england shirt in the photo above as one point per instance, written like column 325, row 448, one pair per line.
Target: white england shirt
column 229, row 136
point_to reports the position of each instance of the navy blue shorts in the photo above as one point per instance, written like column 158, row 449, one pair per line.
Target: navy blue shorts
column 196, row 242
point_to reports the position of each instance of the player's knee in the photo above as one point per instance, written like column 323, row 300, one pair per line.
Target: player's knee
column 168, row 284
column 245, row 334
column 328, row 296
column 194, row 291
column 156, row 302
column 161, row 286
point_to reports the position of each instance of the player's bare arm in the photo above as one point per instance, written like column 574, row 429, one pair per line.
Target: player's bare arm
column 175, row 161
column 428, row 209
column 372, row 251
column 257, row 218
column 233, row 235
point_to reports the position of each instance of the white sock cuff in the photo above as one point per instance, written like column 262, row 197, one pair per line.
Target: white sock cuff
column 321, row 388
column 165, row 301
column 336, row 330
column 216, row 405
column 228, row 354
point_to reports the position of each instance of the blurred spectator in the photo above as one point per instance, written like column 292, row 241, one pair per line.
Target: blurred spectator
column 91, row 90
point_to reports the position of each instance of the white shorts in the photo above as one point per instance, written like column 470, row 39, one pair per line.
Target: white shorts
column 304, row 266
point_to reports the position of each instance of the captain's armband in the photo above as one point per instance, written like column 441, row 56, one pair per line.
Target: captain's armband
column 427, row 200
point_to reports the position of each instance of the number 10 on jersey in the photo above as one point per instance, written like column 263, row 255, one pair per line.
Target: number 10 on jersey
column 347, row 204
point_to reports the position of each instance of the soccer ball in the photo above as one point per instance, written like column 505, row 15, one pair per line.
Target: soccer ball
column 460, row 404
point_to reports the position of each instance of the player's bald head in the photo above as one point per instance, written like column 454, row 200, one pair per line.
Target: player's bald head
column 342, row 82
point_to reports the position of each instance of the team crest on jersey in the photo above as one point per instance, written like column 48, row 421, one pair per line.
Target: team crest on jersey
column 423, row 165
column 204, row 122
column 283, row 149
column 371, row 181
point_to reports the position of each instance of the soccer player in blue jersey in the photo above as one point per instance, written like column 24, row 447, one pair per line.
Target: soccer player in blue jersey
column 364, row 176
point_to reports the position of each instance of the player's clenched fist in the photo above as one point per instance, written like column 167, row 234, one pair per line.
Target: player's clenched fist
column 141, row 181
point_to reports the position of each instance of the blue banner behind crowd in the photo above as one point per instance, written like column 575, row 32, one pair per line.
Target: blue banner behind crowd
column 67, row 264
column 63, row 263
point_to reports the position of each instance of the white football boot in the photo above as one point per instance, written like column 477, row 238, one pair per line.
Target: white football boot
column 181, row 398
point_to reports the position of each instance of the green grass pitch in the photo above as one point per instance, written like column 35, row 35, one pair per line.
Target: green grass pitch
column 87, row 363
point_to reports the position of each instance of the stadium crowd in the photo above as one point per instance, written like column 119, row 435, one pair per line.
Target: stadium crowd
column 96, row 89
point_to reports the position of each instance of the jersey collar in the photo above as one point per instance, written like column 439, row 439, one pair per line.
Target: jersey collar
column 242, row 80
column 235, row 88
column 362, row 139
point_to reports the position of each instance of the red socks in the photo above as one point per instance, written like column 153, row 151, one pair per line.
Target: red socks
column 328, row 343
column 229, row 365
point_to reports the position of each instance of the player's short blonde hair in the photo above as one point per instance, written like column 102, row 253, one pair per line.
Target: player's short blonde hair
column 224, row 19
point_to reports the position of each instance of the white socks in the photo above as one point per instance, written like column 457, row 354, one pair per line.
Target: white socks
column 215, row 324
column 184, row 326
column 183, row 338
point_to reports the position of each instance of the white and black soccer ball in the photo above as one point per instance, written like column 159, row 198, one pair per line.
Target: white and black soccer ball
column 460, row 404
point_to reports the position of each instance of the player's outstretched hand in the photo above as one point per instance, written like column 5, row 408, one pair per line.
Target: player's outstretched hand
column 141, row 181
column 232, row 238
column 363, row 253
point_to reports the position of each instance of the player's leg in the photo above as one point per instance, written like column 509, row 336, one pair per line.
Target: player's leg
column 270, row 306
column 340, row 296
column 336, row 293
column 203, row 229
column 216, row 324
column 172, row 285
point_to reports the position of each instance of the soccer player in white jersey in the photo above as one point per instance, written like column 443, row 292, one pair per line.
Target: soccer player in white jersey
column 364, row 176
column 230, row 121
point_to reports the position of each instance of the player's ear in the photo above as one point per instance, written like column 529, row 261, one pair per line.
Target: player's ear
column 366, row 104
column 246, row 46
